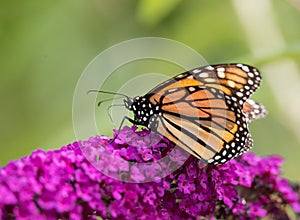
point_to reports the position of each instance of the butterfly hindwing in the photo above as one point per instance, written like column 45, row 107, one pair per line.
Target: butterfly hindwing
column 203, row 122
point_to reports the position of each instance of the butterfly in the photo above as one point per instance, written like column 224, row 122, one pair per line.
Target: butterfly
column 205, row 111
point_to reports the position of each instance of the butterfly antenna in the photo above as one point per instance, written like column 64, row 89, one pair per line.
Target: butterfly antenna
column 106, row 92
column 106, row 100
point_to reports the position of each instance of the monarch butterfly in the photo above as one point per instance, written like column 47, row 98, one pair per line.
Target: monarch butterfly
column 205, row 111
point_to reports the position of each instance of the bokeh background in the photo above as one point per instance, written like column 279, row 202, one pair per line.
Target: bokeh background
column 45, row 46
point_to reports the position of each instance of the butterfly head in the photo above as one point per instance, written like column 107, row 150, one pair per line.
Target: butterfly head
column 143, row 110
column 129, row 103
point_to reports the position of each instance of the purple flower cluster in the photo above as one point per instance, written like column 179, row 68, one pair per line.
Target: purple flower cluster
column 67, row 183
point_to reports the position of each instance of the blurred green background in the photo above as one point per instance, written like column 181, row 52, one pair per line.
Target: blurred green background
column 45, row 46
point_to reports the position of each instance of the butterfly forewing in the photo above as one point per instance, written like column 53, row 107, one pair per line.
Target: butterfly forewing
column 238, row 81
column 254, row 110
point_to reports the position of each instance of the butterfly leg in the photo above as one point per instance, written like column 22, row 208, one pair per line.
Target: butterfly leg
column 153, row 128
column 109, row 113
column 122, row 122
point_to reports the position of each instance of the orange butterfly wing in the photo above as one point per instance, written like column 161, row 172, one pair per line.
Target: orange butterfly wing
column 202, row 110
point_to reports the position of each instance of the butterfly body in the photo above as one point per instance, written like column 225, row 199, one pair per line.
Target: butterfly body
column 145, row 113
column 202, row 110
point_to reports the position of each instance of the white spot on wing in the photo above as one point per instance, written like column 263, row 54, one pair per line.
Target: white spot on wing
column 221, row 74
column 223, row 161
column 210, row 160
column 221, row 69
column 210, row 80
column 239, row 94
column 203, row 75
column 217, row 157
column 192, row 89
column 196, row 71
column 231, row 83
column 245, row 68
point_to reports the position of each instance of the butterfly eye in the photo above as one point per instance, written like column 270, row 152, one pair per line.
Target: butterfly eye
column 128, row 103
